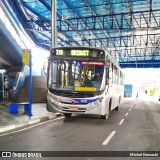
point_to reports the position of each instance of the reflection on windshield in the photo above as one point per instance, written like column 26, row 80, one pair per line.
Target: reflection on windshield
column 67, row 75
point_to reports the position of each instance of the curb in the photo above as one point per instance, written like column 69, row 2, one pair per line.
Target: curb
column 28, row 123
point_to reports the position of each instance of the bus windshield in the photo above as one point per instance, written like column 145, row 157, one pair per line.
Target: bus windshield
column 76, row 75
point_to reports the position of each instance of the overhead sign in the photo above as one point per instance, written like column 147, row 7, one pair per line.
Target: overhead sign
column 84, row 53
column 94, row 63
column 26, row 53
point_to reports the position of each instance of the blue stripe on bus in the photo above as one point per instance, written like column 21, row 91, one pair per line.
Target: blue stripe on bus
column 84, row 101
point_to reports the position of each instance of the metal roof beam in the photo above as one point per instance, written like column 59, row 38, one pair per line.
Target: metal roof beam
column 104, row 3
column 138, row 50
column 82, row 22
column 101, row 25
column 44, row 23
column 38, row 22
column 136, row 17
column 112, row 13
column 69, row 24
column 47, row 5
column 139, row 38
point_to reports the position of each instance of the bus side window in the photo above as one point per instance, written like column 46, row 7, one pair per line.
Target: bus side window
column 115, row 75
column 108, row 62
column 107, row 76
column 118, row 76
column 111, row 73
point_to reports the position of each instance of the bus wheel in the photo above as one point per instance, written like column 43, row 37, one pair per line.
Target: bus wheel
column 110, row 104
column 67, row 115
column 118, row 104
column 104, row 116
column 117, row 108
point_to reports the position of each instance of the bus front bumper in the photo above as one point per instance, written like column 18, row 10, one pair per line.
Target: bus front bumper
column 81, row 109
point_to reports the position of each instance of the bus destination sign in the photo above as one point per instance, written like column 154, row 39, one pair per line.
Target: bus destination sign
column 73, row 52
column 80, row 53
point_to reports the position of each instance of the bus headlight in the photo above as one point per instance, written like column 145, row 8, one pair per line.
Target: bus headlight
column 55, row 100
column 100, row 99
column 96, row 102
column 91, row 104
column 52, row 99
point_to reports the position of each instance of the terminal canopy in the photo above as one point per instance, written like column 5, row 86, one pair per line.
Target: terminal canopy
column 128, row 29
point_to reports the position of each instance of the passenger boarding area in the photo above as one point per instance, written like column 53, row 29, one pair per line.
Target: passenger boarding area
column 10, row 121
column 120, row 132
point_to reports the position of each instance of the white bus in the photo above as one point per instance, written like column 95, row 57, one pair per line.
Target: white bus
column 83, row 80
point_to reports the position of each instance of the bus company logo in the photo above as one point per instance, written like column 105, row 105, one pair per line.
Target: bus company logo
column 6, row 154
column 74, row 101
column 69, row 101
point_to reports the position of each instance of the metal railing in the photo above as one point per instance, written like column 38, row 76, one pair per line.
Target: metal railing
column 17, row 34
column 10, row 26
column 19, row 81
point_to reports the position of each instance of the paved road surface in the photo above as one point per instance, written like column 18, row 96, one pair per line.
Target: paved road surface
column 135, row 127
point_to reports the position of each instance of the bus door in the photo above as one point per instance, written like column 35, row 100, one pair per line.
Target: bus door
column 1, row 86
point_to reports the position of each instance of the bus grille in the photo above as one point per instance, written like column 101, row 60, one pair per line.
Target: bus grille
column 72, row 94
column 66, row 109
column 73, row 103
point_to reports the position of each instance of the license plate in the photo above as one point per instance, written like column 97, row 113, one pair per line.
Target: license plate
column 73, row 108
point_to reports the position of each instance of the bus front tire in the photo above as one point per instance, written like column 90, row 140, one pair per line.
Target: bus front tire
column 67, row 115
column 117, row 108
column 104, row 116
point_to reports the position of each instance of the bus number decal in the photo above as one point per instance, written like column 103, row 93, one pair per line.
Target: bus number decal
column 83, row 101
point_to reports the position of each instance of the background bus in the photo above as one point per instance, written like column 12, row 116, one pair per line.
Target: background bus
column 83, row 80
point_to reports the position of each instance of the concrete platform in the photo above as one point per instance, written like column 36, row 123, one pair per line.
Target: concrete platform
column 10, row 121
